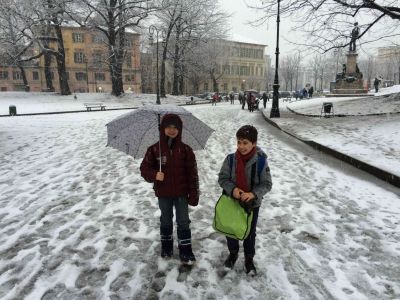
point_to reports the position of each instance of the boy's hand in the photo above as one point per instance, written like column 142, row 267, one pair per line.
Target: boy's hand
column 160, row 176
column 236, row 193
column 246, row 197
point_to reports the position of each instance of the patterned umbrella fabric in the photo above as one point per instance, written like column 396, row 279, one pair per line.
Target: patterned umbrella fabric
column 135, row 131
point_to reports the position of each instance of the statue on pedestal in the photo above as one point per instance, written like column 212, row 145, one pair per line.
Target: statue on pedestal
column 354, row 36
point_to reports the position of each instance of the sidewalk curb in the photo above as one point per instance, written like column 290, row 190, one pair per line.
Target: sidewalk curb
column 81, row 111
column 68, row 112
column 340, row 115
column 379, row 173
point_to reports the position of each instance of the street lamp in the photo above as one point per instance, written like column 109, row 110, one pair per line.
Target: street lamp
column 275, row 99
column 87, row 74
column 153, row 29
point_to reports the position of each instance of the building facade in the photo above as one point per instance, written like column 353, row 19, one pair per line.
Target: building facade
column 86, row 64
column 243, row 67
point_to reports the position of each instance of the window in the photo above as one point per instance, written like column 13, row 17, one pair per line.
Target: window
column 17, row 75
column 97, row 59
column 3, row 75
column 206, row 87
column 35, row 75
column 129, row 78
column 129, row 42
column 128, row 60
column 77, row 37
column 80, row 76
column 99, row 76
column 79, row 57
column 225, row 87
column 97, row 39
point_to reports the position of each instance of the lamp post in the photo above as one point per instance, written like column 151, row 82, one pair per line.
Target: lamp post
column 275, row 99
column 87, row 74
column 153, row 29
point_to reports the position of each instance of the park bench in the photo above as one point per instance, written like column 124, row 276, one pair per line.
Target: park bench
column 191, row 102
column 89, row 106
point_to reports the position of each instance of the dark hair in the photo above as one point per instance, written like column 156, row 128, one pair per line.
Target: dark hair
column 247, row 132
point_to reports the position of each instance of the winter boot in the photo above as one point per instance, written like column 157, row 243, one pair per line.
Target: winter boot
column 249, row 266
column 231, row 260
column 166, row 242
column 167, row 248
column 186, row 254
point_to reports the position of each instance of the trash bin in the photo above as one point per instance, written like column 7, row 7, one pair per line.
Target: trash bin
column 12, row 109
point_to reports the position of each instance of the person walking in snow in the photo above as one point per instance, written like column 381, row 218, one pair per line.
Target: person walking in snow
column 175, row 185
column 240, row 180
column 265, row 99
column 376, row 84
column 215, row 98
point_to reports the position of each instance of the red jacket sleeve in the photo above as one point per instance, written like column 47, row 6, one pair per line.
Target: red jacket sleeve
column 149, row 166
column 193, row 177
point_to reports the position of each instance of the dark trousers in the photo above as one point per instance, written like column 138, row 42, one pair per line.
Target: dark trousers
column 182, row 219
column 249, row 244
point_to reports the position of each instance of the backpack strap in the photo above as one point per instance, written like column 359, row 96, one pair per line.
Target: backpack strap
column 260, row 165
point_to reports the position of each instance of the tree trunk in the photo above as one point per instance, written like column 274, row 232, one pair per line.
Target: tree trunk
column 60, row 58
column 24, row 80
column 116, row 59
column 47, row 72
column 162, row 75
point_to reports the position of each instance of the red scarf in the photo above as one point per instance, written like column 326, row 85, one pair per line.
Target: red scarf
column 241, row 160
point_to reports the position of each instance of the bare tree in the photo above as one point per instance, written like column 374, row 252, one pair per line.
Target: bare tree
column 327, row 23
column 368, row 68
column 112, row 18
column 187, row 25
column 38, row 22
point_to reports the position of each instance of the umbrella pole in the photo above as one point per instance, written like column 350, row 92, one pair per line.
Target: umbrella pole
column 159, row 138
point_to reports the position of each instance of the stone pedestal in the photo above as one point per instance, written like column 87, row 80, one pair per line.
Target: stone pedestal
column 350, row 81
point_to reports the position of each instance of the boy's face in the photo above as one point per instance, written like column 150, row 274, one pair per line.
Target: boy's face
column 244, row 146
column 171, row 131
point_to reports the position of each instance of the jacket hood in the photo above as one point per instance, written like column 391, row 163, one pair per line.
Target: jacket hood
column 171, row 119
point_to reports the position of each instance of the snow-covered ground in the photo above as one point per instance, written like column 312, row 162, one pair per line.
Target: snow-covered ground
column 374, row 139
column 78, row 221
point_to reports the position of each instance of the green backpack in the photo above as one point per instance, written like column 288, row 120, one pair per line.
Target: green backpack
column 230, row 218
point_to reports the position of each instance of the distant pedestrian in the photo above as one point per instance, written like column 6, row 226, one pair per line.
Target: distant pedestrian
column 376, row 84
column 215, row 98
column 265, row 99
column 244, row 100
column 232, row 98
column 311, row 91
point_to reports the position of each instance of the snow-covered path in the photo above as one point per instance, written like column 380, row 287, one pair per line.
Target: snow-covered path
column 78, row 222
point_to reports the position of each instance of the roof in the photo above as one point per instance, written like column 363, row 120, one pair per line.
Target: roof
column 242, row 39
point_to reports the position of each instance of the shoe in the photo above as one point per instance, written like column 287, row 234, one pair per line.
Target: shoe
column 167, row 248
column 249, row 266
column 186, row 254
column 231, row 260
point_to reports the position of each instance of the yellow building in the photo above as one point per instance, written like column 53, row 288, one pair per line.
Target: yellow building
column 86, row 64
column 245, row 67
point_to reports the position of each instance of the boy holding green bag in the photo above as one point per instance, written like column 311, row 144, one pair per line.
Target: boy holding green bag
column 245, row 176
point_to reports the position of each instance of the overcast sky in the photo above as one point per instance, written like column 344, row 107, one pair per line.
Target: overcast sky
column 266, row 34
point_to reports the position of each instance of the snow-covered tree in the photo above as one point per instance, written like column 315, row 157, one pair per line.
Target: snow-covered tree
column 113, row 18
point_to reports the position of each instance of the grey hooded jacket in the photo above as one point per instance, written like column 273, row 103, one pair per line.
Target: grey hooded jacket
column 262, row 184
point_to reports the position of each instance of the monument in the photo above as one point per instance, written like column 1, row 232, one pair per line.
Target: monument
column 350, row 81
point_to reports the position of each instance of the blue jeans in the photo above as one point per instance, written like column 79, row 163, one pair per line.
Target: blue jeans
column 182, row 219
column 249, row 244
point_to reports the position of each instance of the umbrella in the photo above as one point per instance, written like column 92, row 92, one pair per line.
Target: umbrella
column 135, row 131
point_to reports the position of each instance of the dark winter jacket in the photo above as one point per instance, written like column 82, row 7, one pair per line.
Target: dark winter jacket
column 178, row 163
column 262, row 184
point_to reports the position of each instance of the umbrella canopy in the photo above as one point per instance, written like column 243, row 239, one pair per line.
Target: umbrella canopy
column 135, row 131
